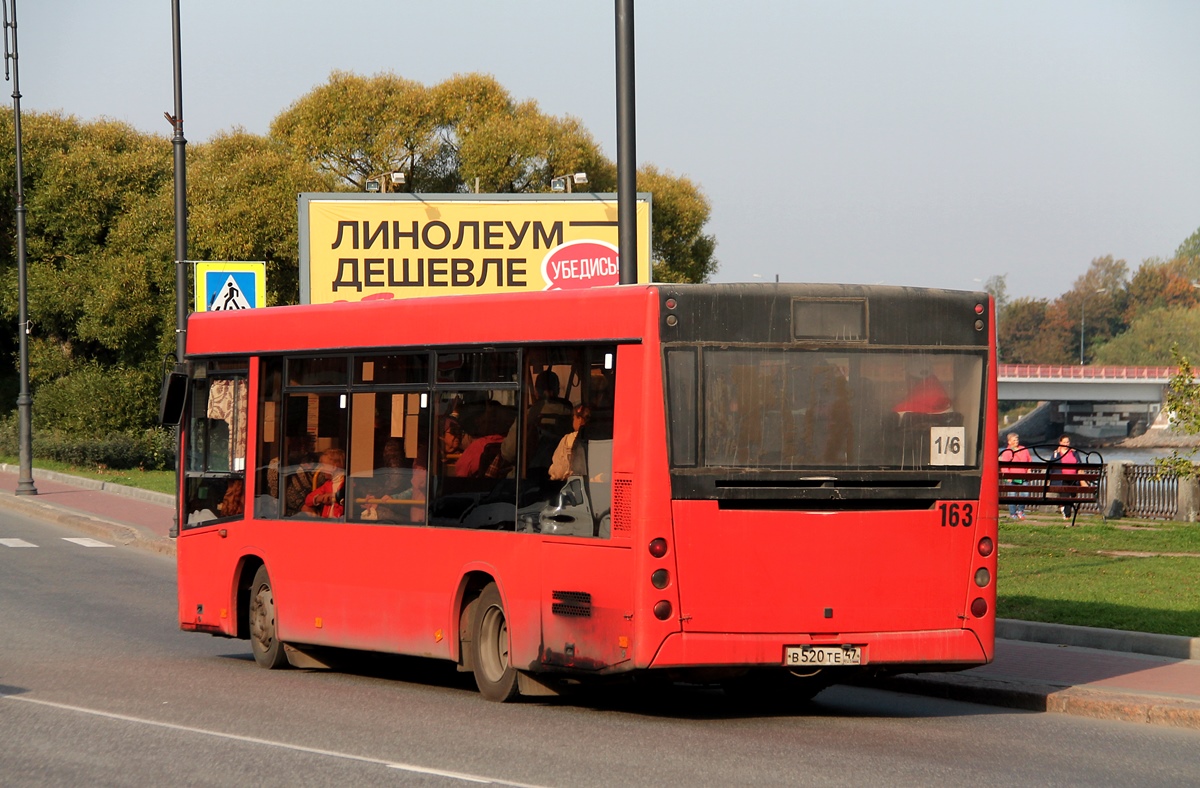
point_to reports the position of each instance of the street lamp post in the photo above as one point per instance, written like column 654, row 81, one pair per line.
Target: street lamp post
column 178, row 144
column 25, row 484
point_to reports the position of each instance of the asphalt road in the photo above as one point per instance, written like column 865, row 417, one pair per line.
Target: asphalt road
column 101, row 688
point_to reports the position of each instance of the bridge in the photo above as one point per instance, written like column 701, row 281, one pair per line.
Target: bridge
column 1065, row 383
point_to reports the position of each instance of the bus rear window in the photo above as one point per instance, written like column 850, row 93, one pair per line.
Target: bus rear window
column 785, row 408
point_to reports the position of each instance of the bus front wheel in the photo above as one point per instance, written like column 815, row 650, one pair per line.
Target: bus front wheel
column 268, row 650
column 494, row 675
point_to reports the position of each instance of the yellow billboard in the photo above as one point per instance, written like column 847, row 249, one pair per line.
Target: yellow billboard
column 360, row 247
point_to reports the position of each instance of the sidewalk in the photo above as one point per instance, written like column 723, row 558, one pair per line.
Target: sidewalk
column 1101, row 673
column 110, row 511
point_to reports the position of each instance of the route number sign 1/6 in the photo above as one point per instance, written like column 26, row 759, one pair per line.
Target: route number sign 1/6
column 947, row 446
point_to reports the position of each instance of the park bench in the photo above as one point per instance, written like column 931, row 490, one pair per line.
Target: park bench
column 1045, row 481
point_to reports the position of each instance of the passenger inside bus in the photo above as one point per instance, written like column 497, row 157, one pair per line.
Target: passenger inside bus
column 483, row 433
column 451, row 441
column 234, row 502
column 387, row 495
column 327, row 498
column 302, row 479
column 564, row 454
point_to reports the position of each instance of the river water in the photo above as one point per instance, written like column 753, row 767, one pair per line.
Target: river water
column 1138, row 456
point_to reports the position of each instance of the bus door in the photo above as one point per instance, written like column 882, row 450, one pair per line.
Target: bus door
column 213, row 498
column 587, row 585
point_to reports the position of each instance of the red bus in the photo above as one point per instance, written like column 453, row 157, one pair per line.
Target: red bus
column 763, row 486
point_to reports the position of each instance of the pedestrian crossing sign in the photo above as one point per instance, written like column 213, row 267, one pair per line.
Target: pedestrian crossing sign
column 222, row 286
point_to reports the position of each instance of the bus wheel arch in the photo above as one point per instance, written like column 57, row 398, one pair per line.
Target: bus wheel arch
column 469, row 589
column 245, row 581
column 268, row 649
column 490, row 648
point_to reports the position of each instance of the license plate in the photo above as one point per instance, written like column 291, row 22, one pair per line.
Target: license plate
column 821, row 656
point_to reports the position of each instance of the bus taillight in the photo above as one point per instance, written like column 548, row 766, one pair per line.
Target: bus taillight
column 979, row 607
column 658, row 547
column 660, row 579
column 986, row 546
column 982, row 577
column 662, row 609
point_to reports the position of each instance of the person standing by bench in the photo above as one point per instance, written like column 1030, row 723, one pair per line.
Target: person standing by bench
column 1067, row 456
column 1015, row 452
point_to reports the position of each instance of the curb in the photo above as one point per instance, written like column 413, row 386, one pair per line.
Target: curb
column 1077, row 702
column 1173, row 646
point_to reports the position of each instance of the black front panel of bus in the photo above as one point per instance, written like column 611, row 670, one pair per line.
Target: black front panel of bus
column 870, row 315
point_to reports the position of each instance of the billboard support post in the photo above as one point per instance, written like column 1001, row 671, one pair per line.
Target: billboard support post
column 626, row 153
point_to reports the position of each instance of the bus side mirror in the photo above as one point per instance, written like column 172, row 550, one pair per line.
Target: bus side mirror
column 172, row 396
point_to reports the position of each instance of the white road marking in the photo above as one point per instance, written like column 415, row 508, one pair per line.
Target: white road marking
column 16, row 543
column 406, row 767
column 86, row 541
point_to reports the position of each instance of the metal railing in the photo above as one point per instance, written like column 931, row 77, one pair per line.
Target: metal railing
column 1150, row 497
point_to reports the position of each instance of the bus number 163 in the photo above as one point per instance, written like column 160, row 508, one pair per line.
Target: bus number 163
column 956, row 514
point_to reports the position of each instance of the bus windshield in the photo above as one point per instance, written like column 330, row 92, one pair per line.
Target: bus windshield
column 788, row 408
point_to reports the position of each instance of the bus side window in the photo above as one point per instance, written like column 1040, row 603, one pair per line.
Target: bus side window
column 270, row 408
column 314, row 423
column 581, row 504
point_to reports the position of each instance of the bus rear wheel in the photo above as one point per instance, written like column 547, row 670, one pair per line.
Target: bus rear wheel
column 268, row 650
column 494, row 675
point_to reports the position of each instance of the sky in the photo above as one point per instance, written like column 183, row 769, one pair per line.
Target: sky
column 923, row 143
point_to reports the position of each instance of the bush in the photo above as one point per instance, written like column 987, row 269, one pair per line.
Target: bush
column 92, row 400
column 150, row 450
column 10, row 439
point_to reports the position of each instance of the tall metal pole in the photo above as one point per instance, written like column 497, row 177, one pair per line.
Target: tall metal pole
column 626, row 153
column 181, row 284
column 178, row 141
column 25, row 484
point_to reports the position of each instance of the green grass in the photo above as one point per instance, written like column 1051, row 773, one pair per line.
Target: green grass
column 158, row 481
column 1064, row 576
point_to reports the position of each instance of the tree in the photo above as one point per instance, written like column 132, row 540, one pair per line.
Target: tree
column 467, row 133
column 1190, row 248
column 1159, row 285
column 1020, row 334
column 681, row 252
column 354, row 127
column 997, row 288
column 243, row 191
column 1150, row 338
column 1183, row 405
column 87, row 180
column 1094, row 309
